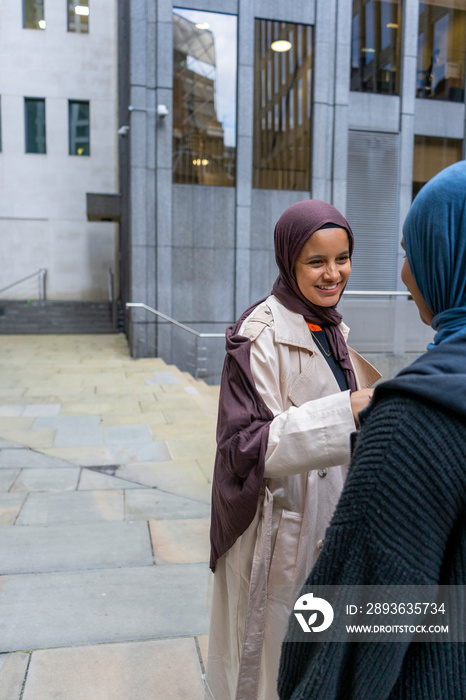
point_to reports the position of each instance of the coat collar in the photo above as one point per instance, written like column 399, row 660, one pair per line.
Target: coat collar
column 291, row 328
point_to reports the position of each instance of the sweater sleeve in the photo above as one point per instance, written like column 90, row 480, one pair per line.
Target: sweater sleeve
column 403, row 495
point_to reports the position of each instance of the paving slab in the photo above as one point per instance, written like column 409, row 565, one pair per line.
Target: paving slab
column 10, row 506
column 33, row 439
column 127, row 433
column 180, row 541
column 94, row 480
column 47, row 610
column 11, row 410
column 73, row 506
column 155, row 504
column 75, row 547
column 28, row 459
column 42, row 409
column 139, row 452
column 6, row 443
column 8, row 478
column 165, row 669
column 12, row 673
column 62, row 479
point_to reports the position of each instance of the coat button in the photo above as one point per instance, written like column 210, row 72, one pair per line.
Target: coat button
column 320, row 544
column 322, row 472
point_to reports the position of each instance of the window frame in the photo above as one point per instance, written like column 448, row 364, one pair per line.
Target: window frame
column 76, row 140
column 37, row 100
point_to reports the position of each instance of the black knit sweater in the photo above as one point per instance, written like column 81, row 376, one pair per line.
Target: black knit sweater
column 401, row 520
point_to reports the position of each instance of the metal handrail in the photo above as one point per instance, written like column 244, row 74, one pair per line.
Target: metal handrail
column 353, row 292
column 41, row 271
column 176, row 323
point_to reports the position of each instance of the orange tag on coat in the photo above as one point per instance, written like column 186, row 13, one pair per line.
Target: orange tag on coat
column 313, row 327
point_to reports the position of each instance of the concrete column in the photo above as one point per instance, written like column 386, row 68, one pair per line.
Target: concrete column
column 163, row 169
column 245, row 111
column 410, row 22
column 323, row 102
column 341, row 101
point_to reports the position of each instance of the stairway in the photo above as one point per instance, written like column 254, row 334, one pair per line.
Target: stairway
column 59, row 317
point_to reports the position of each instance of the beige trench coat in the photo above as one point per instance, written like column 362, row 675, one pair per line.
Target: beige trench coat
column 309, row 441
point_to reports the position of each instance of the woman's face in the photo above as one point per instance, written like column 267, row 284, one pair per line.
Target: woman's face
column 407, row 278
column 323, row 266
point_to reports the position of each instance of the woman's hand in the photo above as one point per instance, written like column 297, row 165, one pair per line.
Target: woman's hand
column 359, row 400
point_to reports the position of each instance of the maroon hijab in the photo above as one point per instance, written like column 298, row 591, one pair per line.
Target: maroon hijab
column 295, row 226
column 244, row 418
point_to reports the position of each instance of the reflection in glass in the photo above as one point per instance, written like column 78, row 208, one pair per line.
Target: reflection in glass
column 79, row 128
column 34, row 112
column 204, row 98
column 441, row 50
column 376, row 46
column 281, row 151
column 33, row 14
column 78, row 16
column 431, row 155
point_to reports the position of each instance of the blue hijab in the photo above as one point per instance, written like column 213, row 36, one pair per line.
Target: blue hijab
column 435, row 242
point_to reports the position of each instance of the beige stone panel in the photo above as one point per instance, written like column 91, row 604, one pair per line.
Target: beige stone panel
column 95, row 456
column 165, row 669
column 182, row 478
column 7, row 424
column 195, row 447
column 104, row 379
column 185, row 429
column 118, row 391
column 207, row 468
column 61, row 395
column 110, row 418
column 12, row 672
column 92, row 408
column 35, row 439
column 180, row 541
column 10, row 506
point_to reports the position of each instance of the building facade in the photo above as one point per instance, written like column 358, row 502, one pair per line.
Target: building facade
column 58, row 115
column 234, row 109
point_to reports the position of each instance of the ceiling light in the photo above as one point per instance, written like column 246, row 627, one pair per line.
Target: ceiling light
column 42, row 23
column 203, row 25
column 81, row 10
column 281, row 45
column 392, row 25
column 368, row 50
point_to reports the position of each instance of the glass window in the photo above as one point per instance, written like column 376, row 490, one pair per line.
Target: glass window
column 78, row 118
column 376, row 46
column 78, row 16
column 0, row 124
column 441, row 50
column 34, row 109
column 33, row 14
column 281, row 151
column 204, row 98
column 431, row 155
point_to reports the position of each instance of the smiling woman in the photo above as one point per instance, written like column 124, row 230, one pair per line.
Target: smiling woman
column 290, row 396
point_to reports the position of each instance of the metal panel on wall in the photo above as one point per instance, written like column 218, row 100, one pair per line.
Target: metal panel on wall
column 372, row 208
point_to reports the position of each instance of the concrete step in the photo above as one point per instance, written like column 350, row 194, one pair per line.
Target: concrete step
column 59, row 317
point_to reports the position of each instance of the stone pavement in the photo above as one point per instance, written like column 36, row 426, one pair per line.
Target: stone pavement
column 105, row 472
